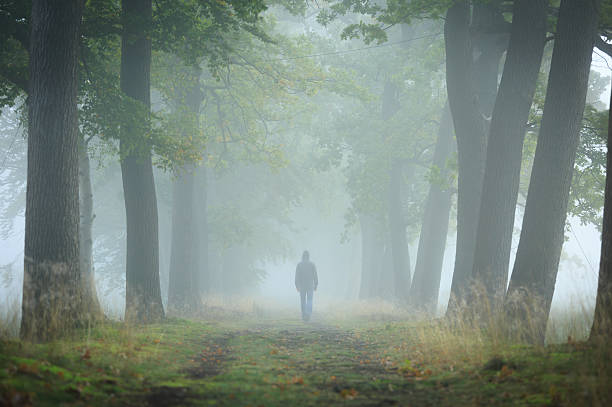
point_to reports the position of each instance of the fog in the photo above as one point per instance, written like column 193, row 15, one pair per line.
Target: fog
column 294, row 148
column 296, row 202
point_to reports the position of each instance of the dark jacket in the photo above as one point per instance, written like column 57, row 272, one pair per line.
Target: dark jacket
column 306, row 276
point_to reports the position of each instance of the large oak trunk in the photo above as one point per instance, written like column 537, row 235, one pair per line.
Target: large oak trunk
column 537, row 259
column 471, row 143
column 472, row 67
column 143, row 295
column 434, row 229
column 602, row 323
column 52, row 290
column 504, row 148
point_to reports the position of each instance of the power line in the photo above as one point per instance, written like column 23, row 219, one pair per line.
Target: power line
column 8, row 150
column 582, row 249
column 605, row 60
column 356, row 49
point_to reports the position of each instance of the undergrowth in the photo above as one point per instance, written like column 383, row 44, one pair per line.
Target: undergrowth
column 250, row 355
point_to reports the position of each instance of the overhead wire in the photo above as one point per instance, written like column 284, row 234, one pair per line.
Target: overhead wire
column 348, row 51
column 10, row 147
column 582, row 250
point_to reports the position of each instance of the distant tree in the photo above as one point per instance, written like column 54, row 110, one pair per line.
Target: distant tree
column 208, row 33
column 398, row 243
column 535, row 269
column 52, row 290
column 434, row 227
column 15, row 28
column 90, row 297
column 185, row 268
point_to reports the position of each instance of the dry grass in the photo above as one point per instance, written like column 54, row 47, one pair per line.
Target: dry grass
column 465, row 359
column 10, row 319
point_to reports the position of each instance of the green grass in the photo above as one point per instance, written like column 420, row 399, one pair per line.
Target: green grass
column 283, row 362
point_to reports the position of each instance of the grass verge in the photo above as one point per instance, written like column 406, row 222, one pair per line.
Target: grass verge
column 283, row 362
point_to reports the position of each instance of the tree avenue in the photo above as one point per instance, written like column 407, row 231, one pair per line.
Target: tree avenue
column 170, row 158
column 172, row 170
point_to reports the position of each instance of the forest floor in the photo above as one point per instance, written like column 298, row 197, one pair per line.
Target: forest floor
column 253, row 361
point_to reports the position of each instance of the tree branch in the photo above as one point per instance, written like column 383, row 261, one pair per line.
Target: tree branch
column 603, row 46
column 18, row 80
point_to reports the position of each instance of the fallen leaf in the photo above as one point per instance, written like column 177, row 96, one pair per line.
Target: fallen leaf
column 348, row 394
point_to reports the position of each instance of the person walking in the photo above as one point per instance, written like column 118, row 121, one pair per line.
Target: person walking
column 306, row 283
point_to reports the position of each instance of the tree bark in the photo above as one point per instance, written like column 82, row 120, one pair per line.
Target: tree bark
column 143, row 294
column 184, row 276
column 434, row 228
column 489, row 42
column 535, row 269
column 52, row 291
column 90, row 295
column 504, row 149
column 471, row 143
column 602, row 322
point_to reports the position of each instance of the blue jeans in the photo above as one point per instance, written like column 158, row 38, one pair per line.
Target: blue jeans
column 306, row 297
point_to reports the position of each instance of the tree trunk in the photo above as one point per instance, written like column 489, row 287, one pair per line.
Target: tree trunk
column 504, row 148
column 201, row 217
column 365, row 288
column 537, row 259
column 602, row 323
column 184, row 284
column 471, row 143
column 400, row 259
column 90, row 295
column 489, row 42
column 143, row 295
column 372, row 257
column 384, row 280
column 398, row 246
column 434, row 229
column 52, row 290
column 183, row 289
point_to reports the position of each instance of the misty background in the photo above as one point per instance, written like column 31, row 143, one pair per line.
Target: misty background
column 313, row 215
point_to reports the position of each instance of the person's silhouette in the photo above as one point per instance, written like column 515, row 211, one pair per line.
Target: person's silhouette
column 306, row 283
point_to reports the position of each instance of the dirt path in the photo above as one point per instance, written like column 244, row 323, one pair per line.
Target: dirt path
column 285, row 363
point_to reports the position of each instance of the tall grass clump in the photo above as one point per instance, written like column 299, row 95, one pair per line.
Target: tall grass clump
column 10, row 319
